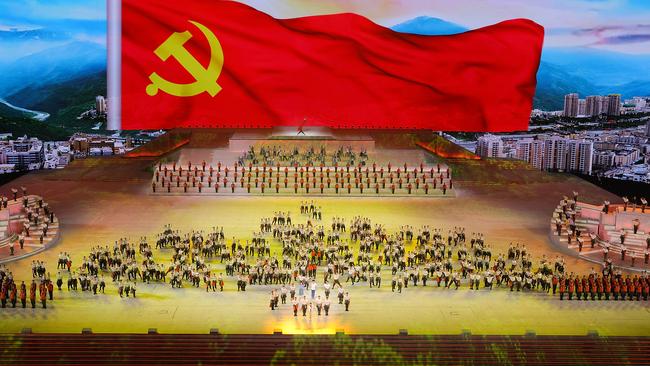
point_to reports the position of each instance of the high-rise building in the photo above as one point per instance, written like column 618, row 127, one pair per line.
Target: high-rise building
column 582, row 106
column 555, row 153
column 579, row 156
column 614, row 105
column 571, row 105
column 604, row 105
column 647, row 129
column 592, row 105
column 100, row 104
column 489, row 146
column 532, row 151
column 585, row 156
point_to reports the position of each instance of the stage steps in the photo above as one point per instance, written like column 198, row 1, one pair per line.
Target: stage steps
column 281, row 349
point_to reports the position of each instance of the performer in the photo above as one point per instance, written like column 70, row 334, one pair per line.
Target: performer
column 301, row 131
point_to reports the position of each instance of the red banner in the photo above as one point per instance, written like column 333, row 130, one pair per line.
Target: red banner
column 206, row 63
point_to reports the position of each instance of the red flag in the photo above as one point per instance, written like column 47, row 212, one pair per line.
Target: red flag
column 205, row 63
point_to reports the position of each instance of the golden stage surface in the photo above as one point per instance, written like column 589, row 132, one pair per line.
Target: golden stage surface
column 99, row 201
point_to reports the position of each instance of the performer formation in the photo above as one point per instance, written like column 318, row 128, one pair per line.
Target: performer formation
column 310, row 266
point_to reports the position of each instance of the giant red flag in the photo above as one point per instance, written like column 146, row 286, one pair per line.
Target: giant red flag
column 206, row 63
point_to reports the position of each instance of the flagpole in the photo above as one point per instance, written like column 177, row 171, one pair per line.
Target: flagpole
column 114, row 71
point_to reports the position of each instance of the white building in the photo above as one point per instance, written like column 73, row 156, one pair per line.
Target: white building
column 100, row 104
column 579, row 156
column 489, row 146
column 24, row 153
column 532, row 151
column 555, row 150
column 604, row 159
column 7, row 168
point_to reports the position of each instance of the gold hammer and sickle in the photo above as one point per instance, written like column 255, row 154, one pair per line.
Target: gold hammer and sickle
column 206, row 78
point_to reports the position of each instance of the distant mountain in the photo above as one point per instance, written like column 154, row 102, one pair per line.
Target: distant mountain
column 30, row 35
column 553, row 82
column 429, row 26
column 639, row 88
column 600, row 66
column 17, row 42
column 54, row 65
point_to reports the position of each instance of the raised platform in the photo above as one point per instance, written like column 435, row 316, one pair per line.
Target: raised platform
column 316, row 136
column 16, row 220
column 606, row 228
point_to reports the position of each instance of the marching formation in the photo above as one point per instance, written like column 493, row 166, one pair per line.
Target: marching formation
column 610, row 285
column 273, row 155
column 305, row 178
column 11, row 292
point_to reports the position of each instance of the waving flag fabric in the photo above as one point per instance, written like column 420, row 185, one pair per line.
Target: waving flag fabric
column 206, row 63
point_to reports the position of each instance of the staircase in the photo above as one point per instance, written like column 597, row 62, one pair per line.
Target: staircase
column 278, row 349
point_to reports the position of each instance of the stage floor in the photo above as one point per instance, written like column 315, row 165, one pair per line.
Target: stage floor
column 100, row 201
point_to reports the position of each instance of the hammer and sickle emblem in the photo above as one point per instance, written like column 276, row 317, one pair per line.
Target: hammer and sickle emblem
column 206, row 78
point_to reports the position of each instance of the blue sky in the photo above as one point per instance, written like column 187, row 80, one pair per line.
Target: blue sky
column 33, row 12
column 616, row 25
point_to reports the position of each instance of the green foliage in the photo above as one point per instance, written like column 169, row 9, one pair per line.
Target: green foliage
column 310, row 350
column 9, row 351
column 64, row 101
column 52, row 98
column 32, row 128
column 8, row 112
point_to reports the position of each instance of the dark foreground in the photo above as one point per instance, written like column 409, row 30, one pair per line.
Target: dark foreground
column 338, row 349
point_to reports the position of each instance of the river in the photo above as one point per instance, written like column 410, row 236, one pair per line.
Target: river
column 37, row 115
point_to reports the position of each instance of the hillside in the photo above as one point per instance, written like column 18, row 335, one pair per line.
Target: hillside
column 51, row 66
column 65, row 101
column 553, row 83
column 8, row 112
column 631, row 89
column 19, row 126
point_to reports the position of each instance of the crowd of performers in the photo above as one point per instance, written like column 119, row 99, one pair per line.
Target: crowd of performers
column 272, row 155
column 606, row 286
column 15, row 295
column 303, row 260
column 567, row 219
column 302, row 178
column 36, row 223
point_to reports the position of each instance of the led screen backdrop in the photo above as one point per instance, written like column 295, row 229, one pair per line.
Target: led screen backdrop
column 224, row 64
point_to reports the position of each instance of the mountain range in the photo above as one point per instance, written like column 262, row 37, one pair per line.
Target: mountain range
column 51, row 66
